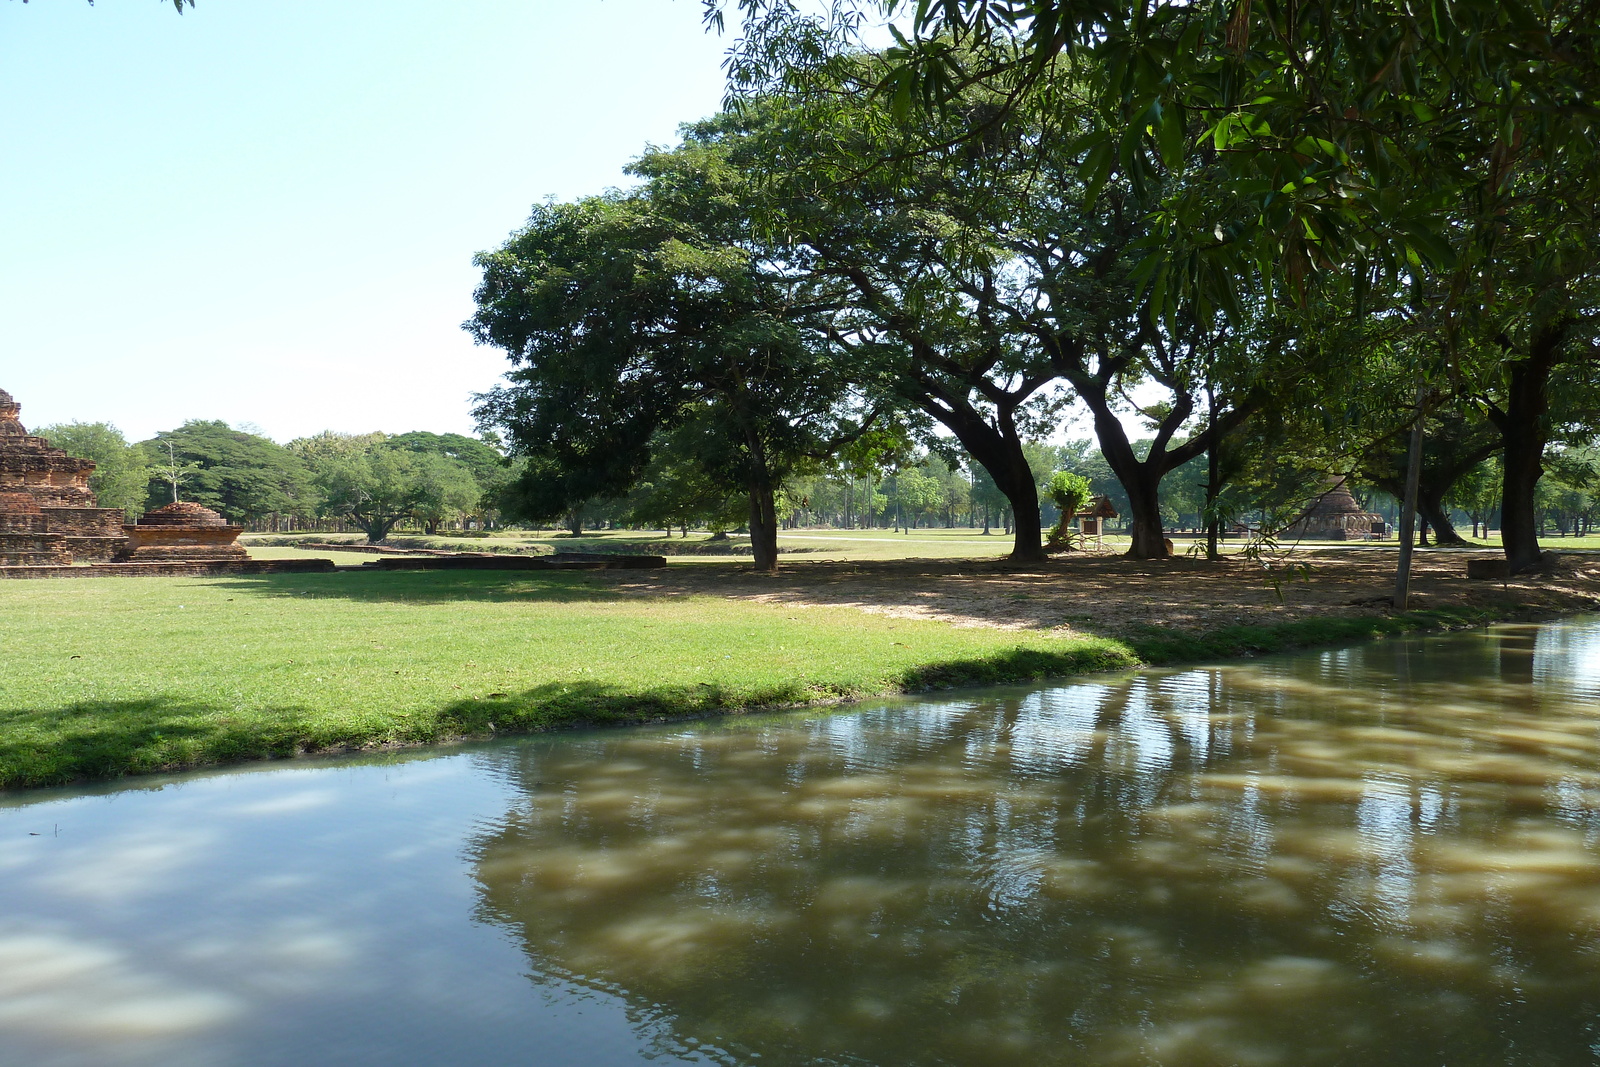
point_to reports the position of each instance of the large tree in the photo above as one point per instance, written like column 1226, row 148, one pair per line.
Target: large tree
column 1321, row 117
column 628, row 315
column 481, row 461
column 369, row 484
column 1003, row 273
column 1349, row 141
column 242, row 475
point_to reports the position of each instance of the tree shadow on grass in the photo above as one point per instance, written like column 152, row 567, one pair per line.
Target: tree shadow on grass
column 430, row 587
column 107, row 739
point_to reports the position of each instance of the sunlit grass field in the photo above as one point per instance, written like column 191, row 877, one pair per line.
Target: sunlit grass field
column 827, row 544
column 868, row 544
column 343, row 559
column 821, row 544
column 105, row 676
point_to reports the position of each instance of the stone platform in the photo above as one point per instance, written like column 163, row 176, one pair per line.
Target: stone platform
column 176, row 569
column 182, row 531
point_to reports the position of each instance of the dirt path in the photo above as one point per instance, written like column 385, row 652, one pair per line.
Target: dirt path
column 1110, row 595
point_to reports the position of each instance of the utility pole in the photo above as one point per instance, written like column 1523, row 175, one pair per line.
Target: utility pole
column 1408, row 507
column 1213, row 465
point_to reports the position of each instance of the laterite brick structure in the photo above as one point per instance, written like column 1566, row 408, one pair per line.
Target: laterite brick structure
column 182, row 531
column 48, row 513
column 1336, row 516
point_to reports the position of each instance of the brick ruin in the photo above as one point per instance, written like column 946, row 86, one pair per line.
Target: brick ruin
column 48, row 513
column 182, row 531
column 1336, row 516
column 25, row 537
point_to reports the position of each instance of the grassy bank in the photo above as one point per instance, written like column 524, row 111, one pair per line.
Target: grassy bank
column 104, row 677
column 1156, row 647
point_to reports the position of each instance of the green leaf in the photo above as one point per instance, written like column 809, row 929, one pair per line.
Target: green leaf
column 1095, row 170
column 1169, row 135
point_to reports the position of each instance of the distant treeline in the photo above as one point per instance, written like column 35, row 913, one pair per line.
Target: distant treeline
column 330, row 482
column 439, row 483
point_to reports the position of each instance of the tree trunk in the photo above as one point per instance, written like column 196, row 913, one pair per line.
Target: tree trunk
column 1524, row 432
column 1523, row 429
column 1027, row 544
column 1141, row 479
column 763, row 525
column 1213, row 477
column 999, row 451
column 1437, row 516
column 1519, row 521
column 377, row 530
column 1408, row 506
column 763, row 509
column 1213, row 521
column 1149, row 537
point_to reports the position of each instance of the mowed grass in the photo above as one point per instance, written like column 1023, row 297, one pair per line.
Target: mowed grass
column 822, row 544
column 344, row 559
column 111, row 676
column 936, row 543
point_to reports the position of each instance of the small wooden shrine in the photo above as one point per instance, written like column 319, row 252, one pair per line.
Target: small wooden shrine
column 181, row 531
column 48, row 513
column 1092, row 519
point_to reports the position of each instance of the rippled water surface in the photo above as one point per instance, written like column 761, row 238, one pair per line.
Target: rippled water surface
column 1382, row 855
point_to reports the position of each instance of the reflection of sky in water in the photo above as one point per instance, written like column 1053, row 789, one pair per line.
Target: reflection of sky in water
column 1568, row 656
column 1376, row 855
column 1384, row 818
column 1055, row 729
column 289, row 916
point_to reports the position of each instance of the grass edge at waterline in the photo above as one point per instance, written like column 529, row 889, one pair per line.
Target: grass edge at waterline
column 111, row 680
column 1156, row 647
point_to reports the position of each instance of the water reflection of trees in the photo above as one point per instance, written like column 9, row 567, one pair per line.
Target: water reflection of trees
column 1384, row 849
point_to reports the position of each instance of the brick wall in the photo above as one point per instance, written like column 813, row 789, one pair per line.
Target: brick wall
column 175, row 570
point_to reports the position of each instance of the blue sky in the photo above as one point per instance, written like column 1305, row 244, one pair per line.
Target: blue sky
column 265, row 211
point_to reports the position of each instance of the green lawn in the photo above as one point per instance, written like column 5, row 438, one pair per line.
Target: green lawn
column 106, row 676
column 934, row 543
column 343, row 559
column 811, row 544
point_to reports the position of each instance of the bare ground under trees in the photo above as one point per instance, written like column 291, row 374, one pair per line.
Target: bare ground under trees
column 1112, row 595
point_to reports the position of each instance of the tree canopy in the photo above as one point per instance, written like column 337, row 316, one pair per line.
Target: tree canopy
column 627, row 316
column 121, row 477
column 1436, row 164
column 243, row 476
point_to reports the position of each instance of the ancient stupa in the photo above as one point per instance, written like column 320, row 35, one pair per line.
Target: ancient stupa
column 1336, row 516
column 48, row 513
column 182, row 531
column 25, row 537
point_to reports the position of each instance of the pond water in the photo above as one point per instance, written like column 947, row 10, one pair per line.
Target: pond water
column 1381, row 855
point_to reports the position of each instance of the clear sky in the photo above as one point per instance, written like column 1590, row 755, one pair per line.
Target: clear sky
column 265, row 211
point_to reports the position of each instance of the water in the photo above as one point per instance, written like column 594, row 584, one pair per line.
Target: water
column 1381, row 855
